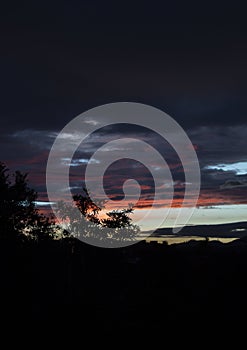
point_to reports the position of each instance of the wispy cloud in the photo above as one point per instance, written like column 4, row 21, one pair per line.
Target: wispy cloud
column 239, row 168
column 78, row 162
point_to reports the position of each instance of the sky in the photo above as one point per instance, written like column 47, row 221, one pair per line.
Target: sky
column 62, row 58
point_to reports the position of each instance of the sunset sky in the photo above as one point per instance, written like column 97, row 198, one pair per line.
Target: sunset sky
column 62, row 58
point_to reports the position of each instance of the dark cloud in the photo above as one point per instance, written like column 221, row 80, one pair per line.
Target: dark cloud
column 62, row 58
column 229, row 184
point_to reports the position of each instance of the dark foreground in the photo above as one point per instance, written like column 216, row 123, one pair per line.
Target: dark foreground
column 144, row 286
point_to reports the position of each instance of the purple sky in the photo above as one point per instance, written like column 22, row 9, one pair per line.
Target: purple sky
column 60, row 59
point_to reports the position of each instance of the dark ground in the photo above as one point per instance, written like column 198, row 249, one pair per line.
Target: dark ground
column 133, row 289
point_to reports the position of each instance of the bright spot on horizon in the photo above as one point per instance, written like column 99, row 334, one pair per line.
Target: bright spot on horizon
column 218, row 214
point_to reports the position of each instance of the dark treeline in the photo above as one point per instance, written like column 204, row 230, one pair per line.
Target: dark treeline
column 143, row 285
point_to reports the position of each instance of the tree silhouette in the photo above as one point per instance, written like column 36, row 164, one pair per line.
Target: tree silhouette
column 17, row 205
column 19, row 215
column 86, row 221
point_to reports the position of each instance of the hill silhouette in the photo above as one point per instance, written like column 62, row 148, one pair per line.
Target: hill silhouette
column 227, row 230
